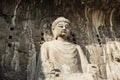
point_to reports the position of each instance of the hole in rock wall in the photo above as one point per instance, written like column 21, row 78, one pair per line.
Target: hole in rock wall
column 97, row 36
column 11, row 28
column 42, row 34
column 9, row 45
column 74, row 40
column 10, row 37
column 73, row 37
column 99, row 40
column 42, row 39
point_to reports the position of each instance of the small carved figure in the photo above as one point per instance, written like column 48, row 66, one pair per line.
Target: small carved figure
column 113, row 66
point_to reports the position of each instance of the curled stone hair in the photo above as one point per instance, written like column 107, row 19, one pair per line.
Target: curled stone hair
column 59, row 19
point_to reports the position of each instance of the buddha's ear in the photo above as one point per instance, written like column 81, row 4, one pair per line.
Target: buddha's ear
column 54, row 33
column 70, row 33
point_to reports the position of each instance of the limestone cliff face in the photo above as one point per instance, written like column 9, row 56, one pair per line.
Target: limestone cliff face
column 26, row 24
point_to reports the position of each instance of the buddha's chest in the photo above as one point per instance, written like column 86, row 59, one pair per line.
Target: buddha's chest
column 67, row 53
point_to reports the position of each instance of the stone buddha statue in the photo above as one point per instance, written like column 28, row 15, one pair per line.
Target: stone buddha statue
column 60, row 55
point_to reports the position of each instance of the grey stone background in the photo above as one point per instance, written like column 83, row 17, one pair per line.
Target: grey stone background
column 26, row 24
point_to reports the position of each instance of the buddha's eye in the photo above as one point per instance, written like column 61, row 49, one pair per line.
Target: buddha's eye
column 67, row 26
column 60, row 26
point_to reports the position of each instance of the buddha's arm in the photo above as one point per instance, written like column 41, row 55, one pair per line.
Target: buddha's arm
column 89, row 68
column 83, row 58
column 44, row 52
column 47, row 65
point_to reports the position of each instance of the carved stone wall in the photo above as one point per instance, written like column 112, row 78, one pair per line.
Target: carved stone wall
column 26, row 24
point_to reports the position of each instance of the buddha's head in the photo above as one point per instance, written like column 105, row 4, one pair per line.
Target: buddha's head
column 61, row 28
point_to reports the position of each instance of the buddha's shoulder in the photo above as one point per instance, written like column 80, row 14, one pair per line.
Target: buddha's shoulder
column 48, row 43
column 53, row 42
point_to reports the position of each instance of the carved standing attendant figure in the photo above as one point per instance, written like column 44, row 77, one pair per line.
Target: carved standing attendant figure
column 113, row 66
column 60, row 55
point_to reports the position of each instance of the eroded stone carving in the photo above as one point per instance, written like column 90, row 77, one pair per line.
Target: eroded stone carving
column 63, row 58
column 15, row 63
column 113, row 63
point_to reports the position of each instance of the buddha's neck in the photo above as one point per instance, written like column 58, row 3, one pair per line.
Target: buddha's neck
column 61, row 39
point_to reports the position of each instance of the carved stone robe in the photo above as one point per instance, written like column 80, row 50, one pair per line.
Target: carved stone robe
column 65, row 56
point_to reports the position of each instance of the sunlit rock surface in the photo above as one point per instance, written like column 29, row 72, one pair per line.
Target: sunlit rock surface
column 76, row 76
column 26, row 24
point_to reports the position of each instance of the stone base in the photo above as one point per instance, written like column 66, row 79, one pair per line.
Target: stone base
column 74, row 76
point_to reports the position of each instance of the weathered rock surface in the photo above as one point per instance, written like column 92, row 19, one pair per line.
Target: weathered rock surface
column 26, row 24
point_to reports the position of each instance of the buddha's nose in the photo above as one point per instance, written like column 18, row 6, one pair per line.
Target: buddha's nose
column 64, row 27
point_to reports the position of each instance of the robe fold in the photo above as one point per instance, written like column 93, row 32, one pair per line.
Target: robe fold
column 65, row 56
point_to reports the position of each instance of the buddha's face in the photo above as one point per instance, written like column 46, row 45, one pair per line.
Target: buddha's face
column 62, row 29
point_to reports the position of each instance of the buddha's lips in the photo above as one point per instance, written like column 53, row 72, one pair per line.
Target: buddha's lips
column 64, row 31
